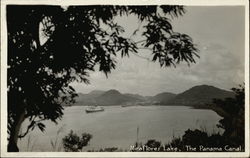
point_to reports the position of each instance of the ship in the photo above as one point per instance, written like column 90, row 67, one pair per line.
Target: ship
column 94, row 109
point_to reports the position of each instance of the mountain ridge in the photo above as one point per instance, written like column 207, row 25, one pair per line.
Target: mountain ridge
column 200, row 94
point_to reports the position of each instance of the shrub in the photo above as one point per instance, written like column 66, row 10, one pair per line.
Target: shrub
column 73, row 143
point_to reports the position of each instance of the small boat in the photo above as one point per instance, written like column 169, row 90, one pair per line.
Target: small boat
column 94, row 109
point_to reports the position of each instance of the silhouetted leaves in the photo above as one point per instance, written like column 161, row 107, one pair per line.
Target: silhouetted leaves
column 41, row 126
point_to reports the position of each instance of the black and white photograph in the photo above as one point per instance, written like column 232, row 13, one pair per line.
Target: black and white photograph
column 98, row 79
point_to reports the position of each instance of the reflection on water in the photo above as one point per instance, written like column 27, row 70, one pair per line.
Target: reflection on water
column 117, row 126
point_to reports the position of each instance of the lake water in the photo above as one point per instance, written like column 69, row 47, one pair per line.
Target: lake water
column 117, row 126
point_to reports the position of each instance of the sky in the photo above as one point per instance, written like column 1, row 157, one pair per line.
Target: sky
column 219, row 35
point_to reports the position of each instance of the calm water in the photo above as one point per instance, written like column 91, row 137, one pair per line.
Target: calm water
column 117, row 126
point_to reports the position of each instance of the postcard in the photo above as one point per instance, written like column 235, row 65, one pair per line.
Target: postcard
column 120, row 78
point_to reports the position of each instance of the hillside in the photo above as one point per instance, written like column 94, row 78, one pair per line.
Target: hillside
column 199, row 95
column 111, row 97
column 162, row 98
column 114, row 97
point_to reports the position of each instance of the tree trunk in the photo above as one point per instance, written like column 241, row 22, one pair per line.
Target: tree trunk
column 12, row 146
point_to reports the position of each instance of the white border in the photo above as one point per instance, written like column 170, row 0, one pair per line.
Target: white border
column 4, row 152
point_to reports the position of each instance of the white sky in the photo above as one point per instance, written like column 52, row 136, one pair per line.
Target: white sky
column 219, row 34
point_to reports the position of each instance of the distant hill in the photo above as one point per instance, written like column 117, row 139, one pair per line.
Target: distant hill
column 199, row 95
column 162, row 98
column 114, row 97
column 111, row 97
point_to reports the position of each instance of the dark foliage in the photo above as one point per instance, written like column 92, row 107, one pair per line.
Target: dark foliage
column 74, row 42
column 233, row 112
column 73, row 143
column 153, row 144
